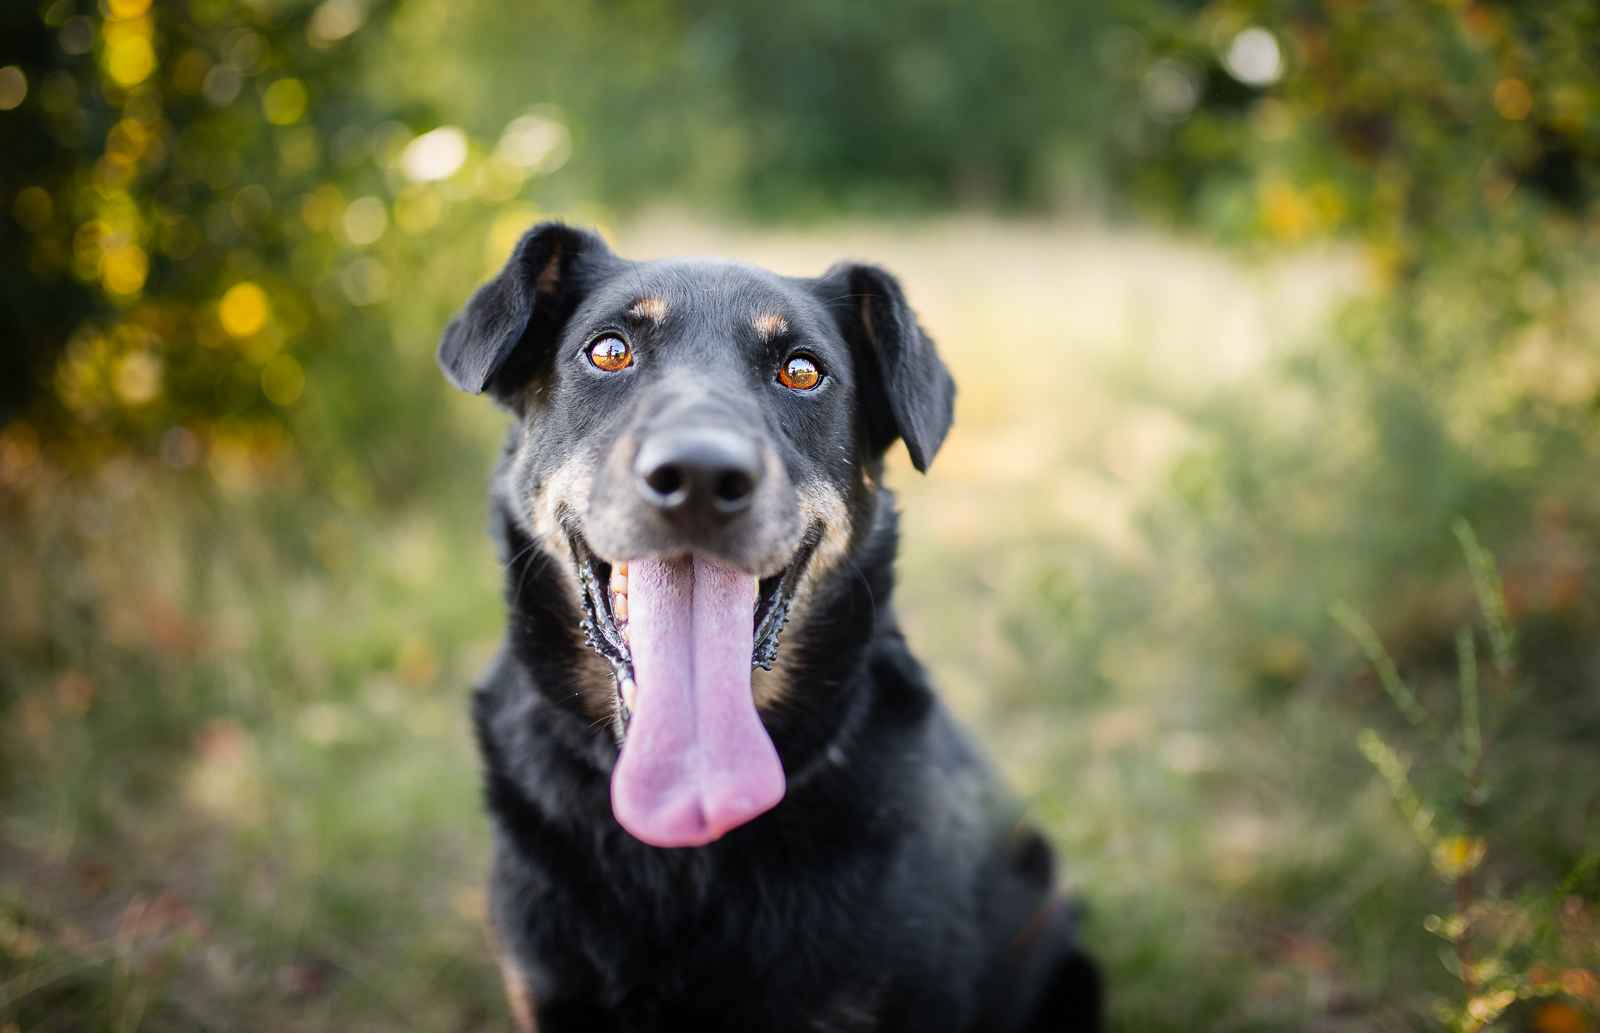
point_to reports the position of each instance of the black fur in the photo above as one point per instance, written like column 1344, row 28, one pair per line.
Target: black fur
column 894, row 888
column 531, row 298
column 912, row 395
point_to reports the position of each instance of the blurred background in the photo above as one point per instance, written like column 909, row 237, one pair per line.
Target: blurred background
column 1262, row 555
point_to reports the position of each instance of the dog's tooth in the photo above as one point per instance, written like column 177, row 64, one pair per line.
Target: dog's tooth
column 630, row 692
column 619, row 607
column 619, row 582
column 622, row 568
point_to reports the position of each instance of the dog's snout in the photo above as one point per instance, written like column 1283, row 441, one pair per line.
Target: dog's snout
column 698, row 474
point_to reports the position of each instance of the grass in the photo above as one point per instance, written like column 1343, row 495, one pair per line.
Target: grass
column 248, row 765
column 238, row 784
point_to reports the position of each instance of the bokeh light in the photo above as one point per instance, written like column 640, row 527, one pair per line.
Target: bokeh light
column 284, row 102
column 364, row 220
column 536, row 141
column 130, row 55
column 282, row 380
column 1171, row 89
column 13, row 87
column 123, row 269
column 137, row 378
column 244, row 309
column 333, row 20
column 1253, row 57
column 123, row 9
column 436, row 154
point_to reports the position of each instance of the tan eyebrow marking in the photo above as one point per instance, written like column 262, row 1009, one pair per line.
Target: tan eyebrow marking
column 653, row 309
column 770, row 325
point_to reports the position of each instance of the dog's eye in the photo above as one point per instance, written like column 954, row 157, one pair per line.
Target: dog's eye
column 800, row 373
column 611, row 353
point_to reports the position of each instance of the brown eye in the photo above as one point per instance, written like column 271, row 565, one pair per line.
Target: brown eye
column 799, row 373
column 611, row 353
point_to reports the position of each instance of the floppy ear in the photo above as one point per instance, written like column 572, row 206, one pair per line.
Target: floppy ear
column 511, row 319
column 907, row 391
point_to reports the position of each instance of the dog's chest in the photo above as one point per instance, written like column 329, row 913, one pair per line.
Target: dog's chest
column 857, row 1007
column 820, row 950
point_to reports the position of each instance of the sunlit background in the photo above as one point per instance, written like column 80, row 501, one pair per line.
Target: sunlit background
column 1263, row 554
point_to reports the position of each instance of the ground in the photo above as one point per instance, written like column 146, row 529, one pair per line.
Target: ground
column 238, row 785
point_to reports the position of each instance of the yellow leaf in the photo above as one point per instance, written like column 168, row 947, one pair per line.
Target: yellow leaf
column 1455, row 856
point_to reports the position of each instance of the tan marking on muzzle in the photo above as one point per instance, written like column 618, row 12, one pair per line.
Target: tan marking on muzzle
column 652, row 308
column 569, row 488
column 823, row 504
column 770, row 325
column 820, row 505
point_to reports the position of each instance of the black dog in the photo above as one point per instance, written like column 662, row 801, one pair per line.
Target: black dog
column 682, row 842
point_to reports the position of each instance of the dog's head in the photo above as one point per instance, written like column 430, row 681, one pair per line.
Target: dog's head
column 697, row 442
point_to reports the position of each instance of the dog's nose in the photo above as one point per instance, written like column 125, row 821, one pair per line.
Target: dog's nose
column 698, row 473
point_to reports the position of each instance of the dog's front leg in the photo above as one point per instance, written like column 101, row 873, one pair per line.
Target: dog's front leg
column 519, row 995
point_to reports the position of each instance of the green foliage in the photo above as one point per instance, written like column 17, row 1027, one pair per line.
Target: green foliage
column 216, row 222
column 799, row 109
column 1460, row 143
column 235, row 764
column 1422, row 126
column 1531, row 947
column 217, row 204
column 174, row 148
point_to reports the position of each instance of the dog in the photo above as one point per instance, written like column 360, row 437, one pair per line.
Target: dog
column 724, row 795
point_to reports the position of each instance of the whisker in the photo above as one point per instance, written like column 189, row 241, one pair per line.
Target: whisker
column 520, row 553
column 872, row 600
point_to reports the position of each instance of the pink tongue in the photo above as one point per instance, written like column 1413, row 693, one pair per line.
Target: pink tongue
column 696, row 761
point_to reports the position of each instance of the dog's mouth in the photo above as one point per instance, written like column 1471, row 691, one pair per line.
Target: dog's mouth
column 681, row 635
column 606, row 616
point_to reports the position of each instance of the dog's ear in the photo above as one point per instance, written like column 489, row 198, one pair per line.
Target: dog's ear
column 511, row 320
column 907, row 392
